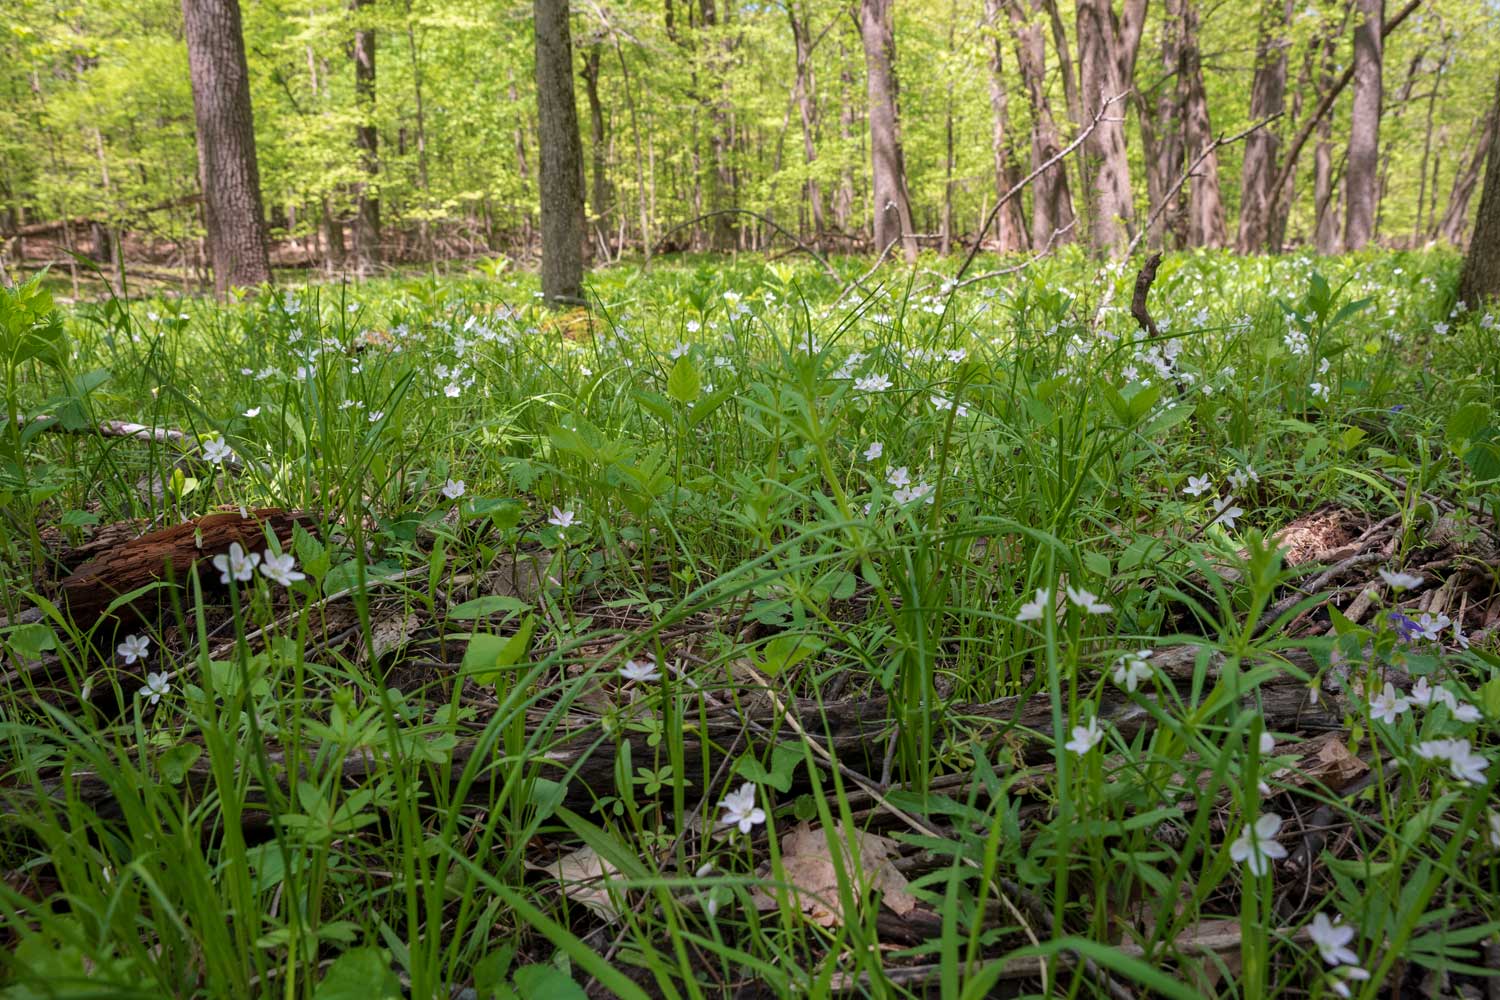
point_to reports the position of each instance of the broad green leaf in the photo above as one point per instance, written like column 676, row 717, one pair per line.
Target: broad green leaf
column 684, row 383
column 360, row 974
column 488, row 656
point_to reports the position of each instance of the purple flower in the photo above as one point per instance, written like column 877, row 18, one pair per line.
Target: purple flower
column 1398, row 407
column 1408, row 630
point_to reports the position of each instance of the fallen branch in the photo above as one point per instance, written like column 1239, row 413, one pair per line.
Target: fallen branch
column 1143, row 281
column 137, row 432
column 754, row 215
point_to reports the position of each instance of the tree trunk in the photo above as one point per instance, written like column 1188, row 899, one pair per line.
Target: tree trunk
column 561, row 172
column 367, row 141
column 1361, row 175
column 843, row 198
column 1051, row 198
column 892, row 210
column 423, row 225
column 1111, row 203
column 1162, row 134
column 1326, row 227
column 1267, row 97
column 598, row 143
column 227, row 168
column 1480, row 279
column 805, row 93
column 1456, row 216
column 1205, row 205
column 1010, row 225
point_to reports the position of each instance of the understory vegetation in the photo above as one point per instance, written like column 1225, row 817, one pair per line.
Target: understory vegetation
column 750, row 632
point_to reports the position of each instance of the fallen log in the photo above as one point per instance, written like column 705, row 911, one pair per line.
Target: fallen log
column 854, row 731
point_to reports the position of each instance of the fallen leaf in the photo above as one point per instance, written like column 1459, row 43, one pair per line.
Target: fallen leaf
column 584, row 876
column 810, row 868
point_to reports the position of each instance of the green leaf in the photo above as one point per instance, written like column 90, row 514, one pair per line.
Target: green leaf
column 488, row 656
column 784, row 760
column 176, row 762
column 482, row 607
column 1465, row 423
column 30, row 641
column 786, row 651
column 360, row 974
column 548, row 981
column 684, row 383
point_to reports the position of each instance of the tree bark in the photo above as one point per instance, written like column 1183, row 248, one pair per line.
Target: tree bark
column 1267, row 97
column 1326, row 229
column 805, row 94
column 227, row 168
column 892, row 209
column 1051, row 197
column 1456, row 216
column 561, row 156
column 367, row 141
column 598, row 143
column 1111, row 203
column 1205, row 204
column 1361, row 175
column 1162, row 134
column 1480, row 279
column 1010, row 225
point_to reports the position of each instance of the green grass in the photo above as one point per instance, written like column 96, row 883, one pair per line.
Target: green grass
column 395, row 776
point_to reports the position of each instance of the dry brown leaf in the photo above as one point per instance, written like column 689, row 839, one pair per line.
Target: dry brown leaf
column 584, row 876
column 390, row 635
column 810, row 868
column 1324, row 759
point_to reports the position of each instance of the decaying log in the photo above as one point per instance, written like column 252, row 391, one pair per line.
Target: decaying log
column 169, row 553
column 855, row 731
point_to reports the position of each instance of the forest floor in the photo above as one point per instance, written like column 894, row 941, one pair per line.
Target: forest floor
column 752, row 633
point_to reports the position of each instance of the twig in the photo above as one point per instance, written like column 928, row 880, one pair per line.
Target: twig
column 1143, row 281
column 1021, row 184
column 125, row 429
column 1012, row 269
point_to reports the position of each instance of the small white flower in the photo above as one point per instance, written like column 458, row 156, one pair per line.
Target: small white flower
column 1132, row 668
column 253, row 412
column 1465, row 765
column 1225, row 514
column 452, row 390
column 1332, row 938
column 872, row 383
column 1257, row 844
column 376, row 416
column 135, row 647
column 1197, row 485
column 1400, row 581
column 1463, row 711
column 1387, row 705
column 1429, row 627
column 1243, row 476
column 640, row 670
column 943, row 404
column 680, row 350
column 1033, row 610
column 156, row 686
column 1422, row 693
column 236, row 564
column 1085, row 738
column 1267, row 743
column 740, row 809
column 1088, row 602
column 899, row 477
column 281, row 568
column 453, row 489
column 875, row 450
column 561, row 518
column 1318, row 390
column 217, row 452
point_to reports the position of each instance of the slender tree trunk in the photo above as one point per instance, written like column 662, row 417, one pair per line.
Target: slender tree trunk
column 1456, row 217
column 1361, row 176
column 1267, row 97
column 1205, row 204
column 423, row 225
column 1326, row 228
column 561, row 171
column 1010, row 225
column 805, row 93
column 1162, row 133
column 228, row 172
column 1051, row 198
column 598, row 143
column 1111, row 202
column 367, row 141
column 1437, row 83
column 892, row 210
column 1480, row 279
column 843, row 198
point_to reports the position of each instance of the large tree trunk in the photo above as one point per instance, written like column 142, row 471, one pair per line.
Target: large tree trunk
column 1010, row 225
column 1361, row 177
column 561, row 171
column 227, row 169
column 367, row 140
column 1051, row 198
column 1205, row 206
column 1456, row 216
column 1100, row 60
column 805, row 93
column 1480, row 279
column 1162, row 133
column 892, row 210
column 1267, row 97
